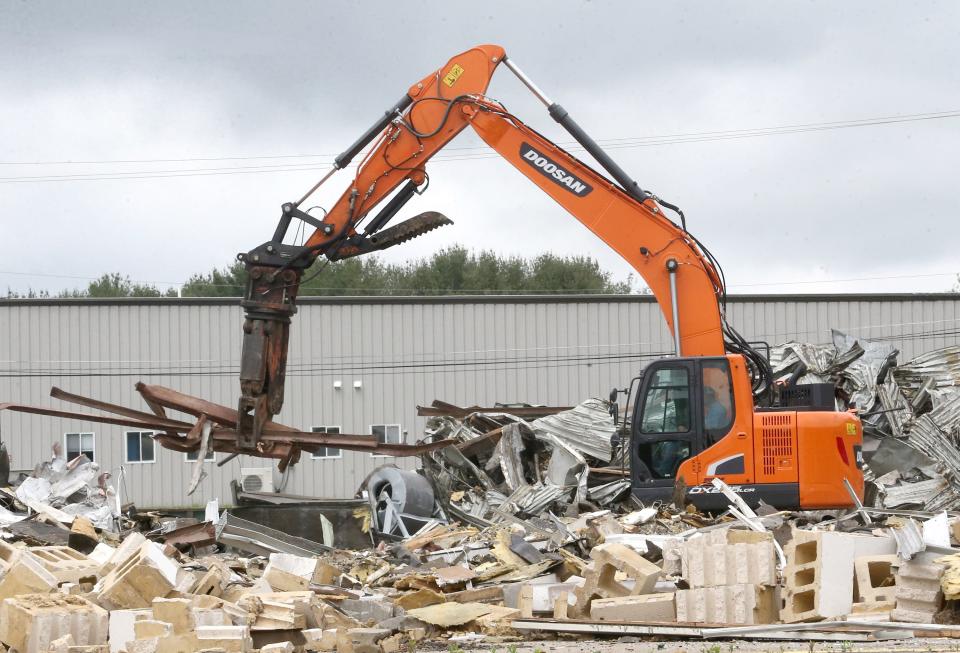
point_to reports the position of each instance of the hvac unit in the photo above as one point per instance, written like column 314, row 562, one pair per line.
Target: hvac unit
column 256, row 479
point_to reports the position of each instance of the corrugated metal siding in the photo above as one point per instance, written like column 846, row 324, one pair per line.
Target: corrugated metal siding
column 405, row 353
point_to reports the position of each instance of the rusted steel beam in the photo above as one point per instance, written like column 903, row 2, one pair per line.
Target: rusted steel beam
column 276, row 441
column 156, row 425
column 58, row 393
column 443, row 409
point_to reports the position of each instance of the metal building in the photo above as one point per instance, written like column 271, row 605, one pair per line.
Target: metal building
column 362, row 365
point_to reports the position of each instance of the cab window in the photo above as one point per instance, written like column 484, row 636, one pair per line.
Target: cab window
column 666, row 408
column 717, row 397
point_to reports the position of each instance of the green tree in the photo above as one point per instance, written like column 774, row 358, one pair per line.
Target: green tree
column 114, row 284
column 227, row 282
column 454, row 270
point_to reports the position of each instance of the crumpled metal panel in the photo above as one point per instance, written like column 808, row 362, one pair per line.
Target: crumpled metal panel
column 605, row 494
column 586, row 428
column 942, row 365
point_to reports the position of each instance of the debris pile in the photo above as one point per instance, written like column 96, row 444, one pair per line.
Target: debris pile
column 503, row 466
column 61, row 491
column 653, row 571
column 910, row 414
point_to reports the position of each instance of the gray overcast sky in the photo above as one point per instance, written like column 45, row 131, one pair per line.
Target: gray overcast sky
column 98, row 81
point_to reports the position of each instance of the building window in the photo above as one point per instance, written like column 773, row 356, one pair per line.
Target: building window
column 140, row 447
column 387, row 434
column 78, row 443
column 326, row 452
column 191, row 456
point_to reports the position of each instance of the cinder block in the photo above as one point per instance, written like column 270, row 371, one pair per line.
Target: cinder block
column 729, row 557
column 8, row 556
column 67, row 565
column 121, row 627
column 129, row 547
column 643, row 608
column 290, row 573
column 876, row 578
column 600, row 576
column 918, row 592
column 135, row 583
column 175, row 612
column 29, row 623
column 26, row 576
column 819, row 577
column 230, row 639
column 730, row 604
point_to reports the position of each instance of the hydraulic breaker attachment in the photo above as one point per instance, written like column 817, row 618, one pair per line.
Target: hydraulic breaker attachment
column 269, row 305
column 273, row 279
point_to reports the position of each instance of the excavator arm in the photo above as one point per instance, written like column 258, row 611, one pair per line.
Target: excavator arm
column 431, row 114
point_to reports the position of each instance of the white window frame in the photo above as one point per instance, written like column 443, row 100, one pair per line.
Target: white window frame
column 210, row 458
column 93, row 440
column 326, row 429
column 386, row 426
column 126, row 448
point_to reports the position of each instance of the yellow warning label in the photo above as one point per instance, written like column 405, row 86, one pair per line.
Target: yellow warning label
column 851, row 428
column 453, row 75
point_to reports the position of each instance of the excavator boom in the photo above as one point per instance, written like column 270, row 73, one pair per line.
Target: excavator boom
column 421, row 123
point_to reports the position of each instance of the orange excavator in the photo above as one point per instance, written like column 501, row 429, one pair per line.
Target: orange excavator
column 710, row 412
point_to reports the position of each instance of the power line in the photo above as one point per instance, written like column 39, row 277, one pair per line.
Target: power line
column 470, row 153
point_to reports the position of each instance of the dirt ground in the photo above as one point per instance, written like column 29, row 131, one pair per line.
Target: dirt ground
column 636, row 645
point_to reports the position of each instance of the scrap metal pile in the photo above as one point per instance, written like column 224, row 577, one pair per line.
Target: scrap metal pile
column 910, row 413
column 504, row 465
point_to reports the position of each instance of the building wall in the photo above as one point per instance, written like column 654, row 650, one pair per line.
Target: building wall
column 405, row 352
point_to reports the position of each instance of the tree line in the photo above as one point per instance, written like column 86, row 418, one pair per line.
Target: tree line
column 451, row 271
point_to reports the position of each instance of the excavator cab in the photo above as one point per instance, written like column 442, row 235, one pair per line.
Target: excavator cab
column 683, row 406
column 694, row 420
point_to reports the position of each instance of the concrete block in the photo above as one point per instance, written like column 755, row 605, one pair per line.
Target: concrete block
column 367, row 611
column 129, row 547
column 873, row 610
column 361, row 640
column 290, row 573
column 8, row 556
column 29, row 623
column 730, row 604
column 729, row 557
column 279, row 647
column 319, row 639
column 876, row 578
column 151, row 629
column 918, row 593
column 819, row 578
column 143, row 577
column 101, row 553
column 604, row 576
column 121, row 627
column 176, row 612
column 561, row 606
column 233, row 639
column 643, row 608
column 26, row 576
column 65, row 564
